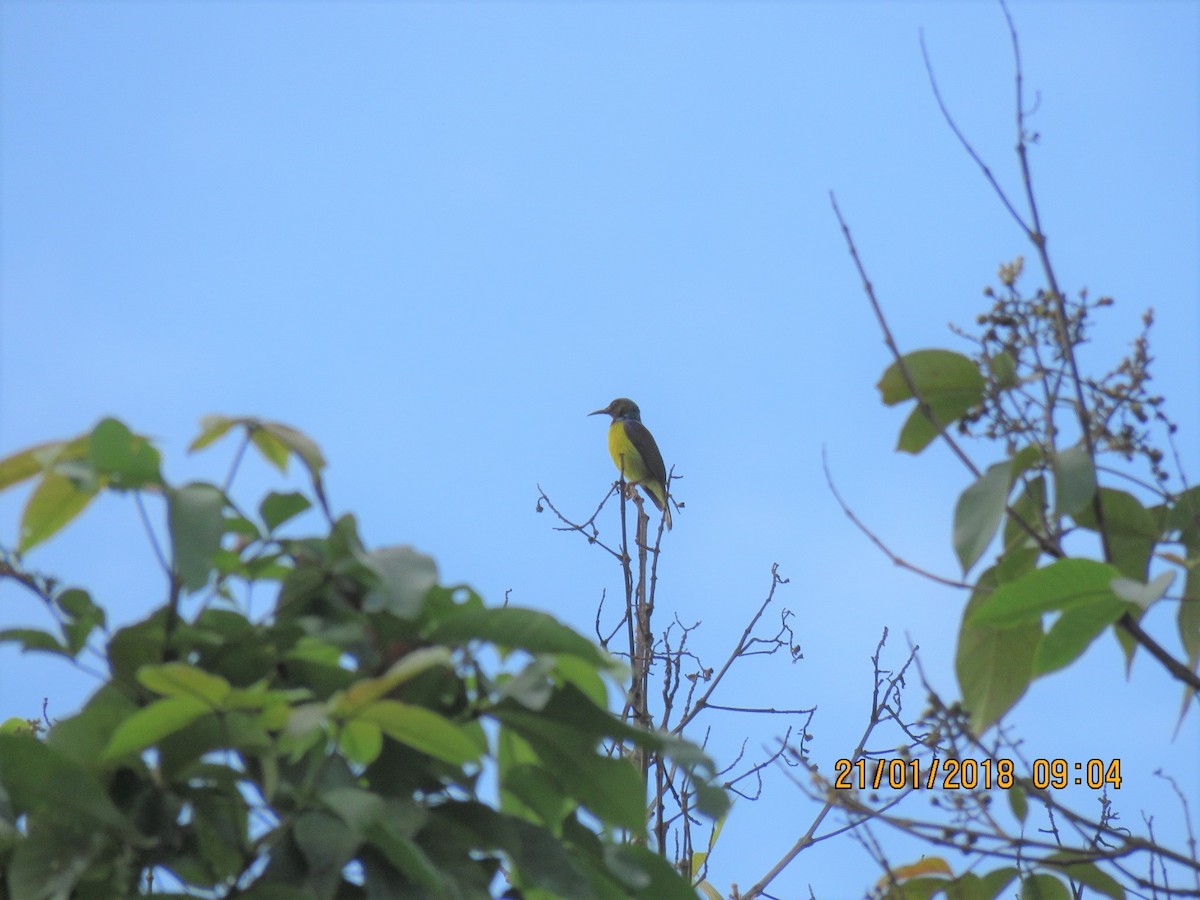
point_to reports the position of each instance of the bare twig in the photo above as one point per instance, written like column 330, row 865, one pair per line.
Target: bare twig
column 735, row 653
column 897, row 560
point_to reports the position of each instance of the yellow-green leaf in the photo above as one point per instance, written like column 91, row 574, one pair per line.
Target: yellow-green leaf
column 25, row 463
column 149, row 725
column 930, row 865
column 212, row 428
column 404, row 669
column 181, row 680
column 361, row 741
column 423, row 730
column 1063, row 584
column 54, row 502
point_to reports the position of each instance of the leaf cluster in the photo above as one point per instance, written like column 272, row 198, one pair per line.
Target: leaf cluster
column 375, row 734
column 1041, row 602
column 1039, row 607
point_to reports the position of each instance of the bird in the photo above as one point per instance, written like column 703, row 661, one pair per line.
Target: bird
column 635, row 453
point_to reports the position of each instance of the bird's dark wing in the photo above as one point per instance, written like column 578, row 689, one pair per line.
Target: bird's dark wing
column 643, row 442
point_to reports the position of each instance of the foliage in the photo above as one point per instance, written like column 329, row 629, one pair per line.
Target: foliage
column 1046, row 597
column 1032, row 500
column 1085, row 541
column 377, row 734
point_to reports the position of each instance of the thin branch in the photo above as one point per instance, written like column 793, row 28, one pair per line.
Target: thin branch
column 833, row 800
column 896, row 560
column 587, row 528
column 776, row 580
column 150, row 535
column 987, row 172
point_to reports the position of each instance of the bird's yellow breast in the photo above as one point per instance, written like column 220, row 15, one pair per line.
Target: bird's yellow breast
column 624, row 454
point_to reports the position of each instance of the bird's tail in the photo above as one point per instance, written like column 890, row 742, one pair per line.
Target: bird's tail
column 658, row 496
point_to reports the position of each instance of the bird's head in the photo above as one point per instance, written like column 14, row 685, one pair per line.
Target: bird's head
column 621, row 408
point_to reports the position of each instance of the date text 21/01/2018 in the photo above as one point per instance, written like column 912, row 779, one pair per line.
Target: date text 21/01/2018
column 970, row 774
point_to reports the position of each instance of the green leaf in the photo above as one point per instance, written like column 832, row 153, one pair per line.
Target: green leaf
column 194, row 516
column 150, row 725
column 82, row 617
column 527, row 792
column 54, row 502
column 1074, row 480
column 1188, row 620
column 1018, row 803
column 1087, row 873
column 711, row 800
column 609, row 787
column 405, row 577
column 135, row 646
column 1028, row 457
column 1074, row 631
column 1184, row 517
column 220, row 825
column 540, row 859
column 182, row 680
column 81, row 736
column 273, row 450
column 1029, row 509
column 511, row 628
column 16, row 725
column 128, row 459
column 931, row 371
column 949, row 383
column 1004, row 370
column 180, row 751
column 423, row 730
column 32, row 640
column 327, row 843
column 356, row 807
column 1062, row 585
column 967, row 886
column 978, row 513
column 658, row 881
column 278, row 508
column 994, row 665
column 584, row 675
column 915, row 889
column 360, row 740
column 1041, row 886
column 299, row 443
column 997, row 880
column 1131, row 528
column 53, row 857
column 393, row 836
column 274, row 440
column 37, row 777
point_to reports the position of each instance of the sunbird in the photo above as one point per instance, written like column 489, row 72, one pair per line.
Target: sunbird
column 635, row 453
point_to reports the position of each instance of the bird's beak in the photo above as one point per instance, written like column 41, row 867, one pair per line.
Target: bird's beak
column 601, row 412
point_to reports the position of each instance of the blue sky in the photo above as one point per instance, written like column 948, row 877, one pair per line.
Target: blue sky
column 435, row 236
